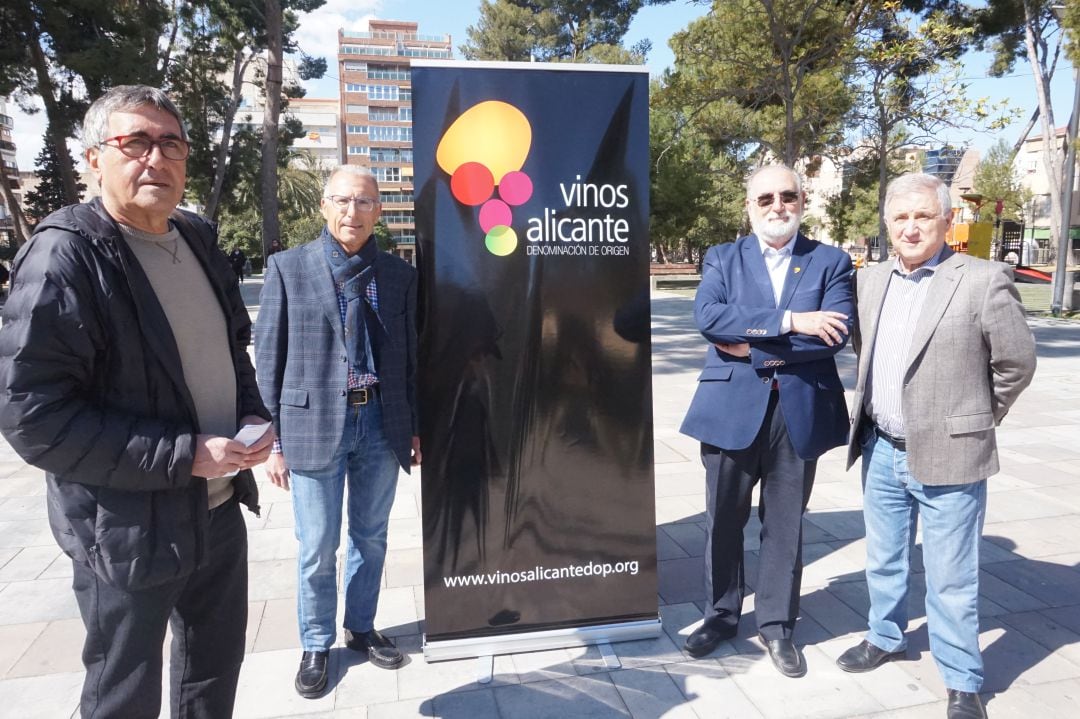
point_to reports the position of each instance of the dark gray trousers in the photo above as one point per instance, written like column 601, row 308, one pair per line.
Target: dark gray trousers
column 786, row 481
column 125, row 631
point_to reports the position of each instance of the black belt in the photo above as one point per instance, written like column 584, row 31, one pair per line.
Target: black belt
column 899, row 442
column 361, row 396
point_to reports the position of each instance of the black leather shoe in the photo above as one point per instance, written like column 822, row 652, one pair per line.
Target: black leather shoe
column 965, row 705
column 864, row 656
column 380, row 650
column 706, row 638
column 785, row 657
column 311, row 679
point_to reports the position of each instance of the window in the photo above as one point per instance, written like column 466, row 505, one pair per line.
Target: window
column 358, row 150
column 386, row 174
column 390, row 134
column 383, row 92
column 356, row 66
column 353, row 87
column 404, row 113
column 356, row 109
column 356, row 129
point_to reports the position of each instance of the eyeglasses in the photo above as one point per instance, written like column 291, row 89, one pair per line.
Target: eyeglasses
column 342, row 202
column 788, row 197
column 921, row 219
column 172, row 148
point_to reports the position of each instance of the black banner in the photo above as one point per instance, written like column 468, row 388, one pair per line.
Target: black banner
column 532, row 196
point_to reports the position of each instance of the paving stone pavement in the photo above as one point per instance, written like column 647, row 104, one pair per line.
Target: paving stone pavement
column 1030, row 592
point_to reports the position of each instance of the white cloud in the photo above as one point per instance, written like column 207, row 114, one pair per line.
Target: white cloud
column 317, row 33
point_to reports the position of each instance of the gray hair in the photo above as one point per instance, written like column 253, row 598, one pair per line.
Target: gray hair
column 120, row 99
column 758, row 170
column 918, row 182
column 358, row 170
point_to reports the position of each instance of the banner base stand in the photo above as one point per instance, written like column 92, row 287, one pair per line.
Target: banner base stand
column 485, row 669
column 444, row 650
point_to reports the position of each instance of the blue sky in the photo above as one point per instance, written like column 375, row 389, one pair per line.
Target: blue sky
column 317, row 35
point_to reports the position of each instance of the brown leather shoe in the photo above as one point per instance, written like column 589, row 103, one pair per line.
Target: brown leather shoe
column 380, row 650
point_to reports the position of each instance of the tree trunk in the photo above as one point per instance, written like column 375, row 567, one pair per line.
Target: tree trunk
column 1024, row 135
column 1046, row 112
column 56, row 131
column 883, row 183
column 20, row 229
column 270, row 224
column 240, row 64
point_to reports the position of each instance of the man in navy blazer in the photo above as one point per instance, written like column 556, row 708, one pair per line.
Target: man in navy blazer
column 335, row 352
column 775, row 306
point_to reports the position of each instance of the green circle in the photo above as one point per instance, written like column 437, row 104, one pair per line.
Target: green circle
column 501, row 240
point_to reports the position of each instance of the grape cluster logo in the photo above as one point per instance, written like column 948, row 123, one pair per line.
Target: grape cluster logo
column 483, row 152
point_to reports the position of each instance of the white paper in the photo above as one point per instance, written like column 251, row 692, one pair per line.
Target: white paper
column 249, row 434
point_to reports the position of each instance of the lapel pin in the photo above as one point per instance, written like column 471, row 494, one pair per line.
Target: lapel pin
column 797, row 270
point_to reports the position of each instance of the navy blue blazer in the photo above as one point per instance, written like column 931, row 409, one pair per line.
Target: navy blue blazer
column 734, row 304
column 300, row 357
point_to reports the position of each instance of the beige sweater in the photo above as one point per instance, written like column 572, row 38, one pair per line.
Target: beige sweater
column 198, row 326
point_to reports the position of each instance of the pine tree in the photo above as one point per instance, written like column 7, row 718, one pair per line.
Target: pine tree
column 49, row 195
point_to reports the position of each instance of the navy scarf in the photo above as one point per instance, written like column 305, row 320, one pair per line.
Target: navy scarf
column 352, row 275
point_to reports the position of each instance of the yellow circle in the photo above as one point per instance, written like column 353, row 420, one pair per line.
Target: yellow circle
column 495, row 134
column 501, row 240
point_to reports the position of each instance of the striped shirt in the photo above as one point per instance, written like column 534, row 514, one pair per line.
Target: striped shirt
column 904, row 296
column 777, row 262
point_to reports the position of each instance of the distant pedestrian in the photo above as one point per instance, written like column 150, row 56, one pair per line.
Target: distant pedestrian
column 238, row 259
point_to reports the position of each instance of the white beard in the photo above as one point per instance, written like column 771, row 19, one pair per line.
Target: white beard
column 776, row 229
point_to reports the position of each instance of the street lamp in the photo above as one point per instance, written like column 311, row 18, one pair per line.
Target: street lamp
column 1057, row 292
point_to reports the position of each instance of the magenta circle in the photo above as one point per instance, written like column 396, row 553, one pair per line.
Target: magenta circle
column 493, row 213
column 515, row 188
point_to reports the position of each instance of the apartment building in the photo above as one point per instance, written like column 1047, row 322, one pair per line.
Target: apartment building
column 1030, row 166
column 376, row 112
column 10, row 175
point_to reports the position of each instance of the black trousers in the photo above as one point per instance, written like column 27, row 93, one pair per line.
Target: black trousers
column 125, row 631
column 786, row 481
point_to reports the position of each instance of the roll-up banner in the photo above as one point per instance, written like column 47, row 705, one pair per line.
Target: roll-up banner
column 532, row 229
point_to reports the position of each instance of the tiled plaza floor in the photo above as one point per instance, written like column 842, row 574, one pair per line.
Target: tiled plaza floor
column 1030, row 592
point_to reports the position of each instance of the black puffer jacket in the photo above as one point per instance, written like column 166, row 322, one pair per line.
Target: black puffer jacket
column 92, row 391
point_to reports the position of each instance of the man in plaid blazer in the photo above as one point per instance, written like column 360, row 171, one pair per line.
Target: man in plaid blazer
column 335, row 353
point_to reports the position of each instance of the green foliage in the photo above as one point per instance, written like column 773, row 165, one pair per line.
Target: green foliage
column 696, row 192
column 996, row 179
column 48, row 196
column 852, row 213
column 555, row 30
column 768, row 77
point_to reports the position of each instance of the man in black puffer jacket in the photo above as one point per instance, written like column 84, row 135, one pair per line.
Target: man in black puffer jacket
column 124, row 374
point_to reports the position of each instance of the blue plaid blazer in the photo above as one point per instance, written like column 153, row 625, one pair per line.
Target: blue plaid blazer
column 300, row 360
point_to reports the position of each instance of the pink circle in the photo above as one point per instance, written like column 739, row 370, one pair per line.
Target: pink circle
column 493, row 213
column 515, row 188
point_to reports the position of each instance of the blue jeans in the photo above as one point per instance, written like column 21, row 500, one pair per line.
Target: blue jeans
column 952, row 518
column 366, row 460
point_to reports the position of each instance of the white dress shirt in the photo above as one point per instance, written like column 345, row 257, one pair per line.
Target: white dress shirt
column 777, row 262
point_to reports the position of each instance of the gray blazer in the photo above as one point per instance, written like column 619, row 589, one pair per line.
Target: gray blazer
column 300, row 355
column 971, row 357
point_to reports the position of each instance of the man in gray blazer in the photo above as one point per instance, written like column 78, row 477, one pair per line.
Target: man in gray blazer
column 335, row 354
column 944, row 351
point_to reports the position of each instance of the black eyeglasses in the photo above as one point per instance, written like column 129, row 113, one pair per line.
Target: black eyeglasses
column 788, row 197
column 342, row 202
column 172, row 148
